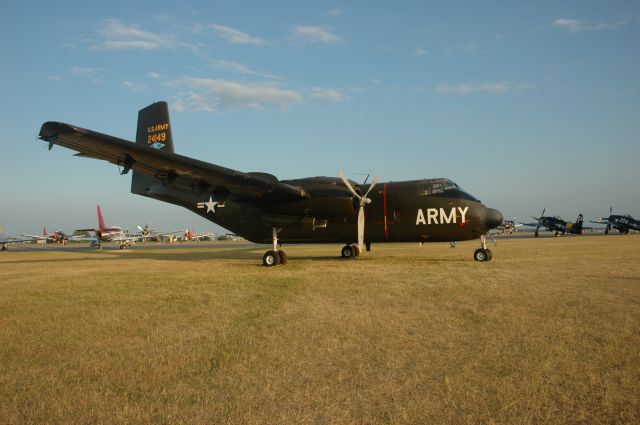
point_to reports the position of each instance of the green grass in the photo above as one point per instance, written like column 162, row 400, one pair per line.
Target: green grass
column 548, row 332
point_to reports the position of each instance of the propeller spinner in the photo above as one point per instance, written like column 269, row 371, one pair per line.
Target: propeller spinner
column 363, row 201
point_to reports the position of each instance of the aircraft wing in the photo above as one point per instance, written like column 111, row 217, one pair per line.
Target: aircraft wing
column 602, row 221
column 168, row 167
column 9, row 239
column 529, row 224
column 202, row 235
column 39, row 237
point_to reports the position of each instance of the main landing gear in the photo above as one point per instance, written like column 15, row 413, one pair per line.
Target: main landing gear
column 350, row 251
column 484, row 253
column 275, row 256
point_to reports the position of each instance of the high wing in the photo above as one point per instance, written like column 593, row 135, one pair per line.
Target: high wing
column 170, row 168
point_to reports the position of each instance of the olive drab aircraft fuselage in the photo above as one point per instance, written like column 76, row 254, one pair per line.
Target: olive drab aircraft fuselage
column 263, row 209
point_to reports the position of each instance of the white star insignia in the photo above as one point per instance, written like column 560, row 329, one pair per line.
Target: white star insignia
column 210, row 205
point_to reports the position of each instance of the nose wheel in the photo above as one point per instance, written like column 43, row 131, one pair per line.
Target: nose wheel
column 483, row 253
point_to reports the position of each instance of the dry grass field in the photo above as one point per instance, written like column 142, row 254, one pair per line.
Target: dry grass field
column 548, row 332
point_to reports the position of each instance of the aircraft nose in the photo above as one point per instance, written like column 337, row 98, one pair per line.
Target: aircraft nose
column 492, row 218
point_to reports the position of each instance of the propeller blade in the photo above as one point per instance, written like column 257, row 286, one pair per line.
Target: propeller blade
column 361, row 229
column 373, row 183
column 346, row 182
column 140, row 228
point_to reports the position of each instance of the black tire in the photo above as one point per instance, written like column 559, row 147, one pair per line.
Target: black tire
column 480, row 255
column 489, row 254
column 270, row 259
column 356, row 250
column 348, row 251
column 283, row 257
column 536, row 234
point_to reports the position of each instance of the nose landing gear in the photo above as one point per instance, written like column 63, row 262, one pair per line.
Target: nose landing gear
column 483, row 253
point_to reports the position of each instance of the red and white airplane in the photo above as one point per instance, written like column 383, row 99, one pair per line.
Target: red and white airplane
column 193, row 236
column 106, row 234
column 56, row 237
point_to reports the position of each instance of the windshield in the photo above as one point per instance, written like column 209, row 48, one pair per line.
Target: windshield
column 434, row 186
column 442, row 187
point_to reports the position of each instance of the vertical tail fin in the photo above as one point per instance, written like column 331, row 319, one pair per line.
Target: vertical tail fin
column 101, row 224
column 577, row 227
column 154, row 130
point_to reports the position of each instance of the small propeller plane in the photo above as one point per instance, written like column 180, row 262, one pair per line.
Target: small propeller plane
column 106, row 234
column 147, row 233
column 263, row 209
column 6, row 239
column 556, row 224
column 622, row 223
column 508, row 226
column 192, row 235
column 58, row 237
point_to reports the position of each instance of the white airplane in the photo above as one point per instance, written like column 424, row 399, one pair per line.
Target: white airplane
column 6, row 239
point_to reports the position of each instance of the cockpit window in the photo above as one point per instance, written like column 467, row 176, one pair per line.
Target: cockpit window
column 434, row 186
column 443, row 187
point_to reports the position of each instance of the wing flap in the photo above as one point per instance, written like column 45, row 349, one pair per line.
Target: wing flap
column 168, row 167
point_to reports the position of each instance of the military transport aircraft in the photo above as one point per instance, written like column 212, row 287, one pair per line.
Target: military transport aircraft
column 622, row 223
column 556, row 224
column 263, row 209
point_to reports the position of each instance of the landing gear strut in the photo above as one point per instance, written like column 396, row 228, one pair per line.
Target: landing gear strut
column 484, row 253
column 275, row 256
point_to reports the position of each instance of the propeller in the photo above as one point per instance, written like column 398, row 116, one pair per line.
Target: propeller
column 363, row 201
column 540, row 219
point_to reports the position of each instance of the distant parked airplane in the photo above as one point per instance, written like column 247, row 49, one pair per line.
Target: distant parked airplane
column 56, row 237
column 107, row 234
column 622, row 223
column 193, row 236
column 556, row 224
column 6, row 239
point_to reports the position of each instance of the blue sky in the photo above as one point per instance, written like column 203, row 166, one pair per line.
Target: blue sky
column 525, row 105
